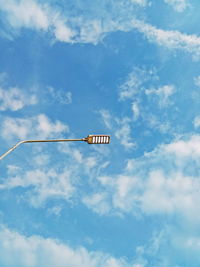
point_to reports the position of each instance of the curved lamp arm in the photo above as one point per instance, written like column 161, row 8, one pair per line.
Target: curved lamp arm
column 90, row 139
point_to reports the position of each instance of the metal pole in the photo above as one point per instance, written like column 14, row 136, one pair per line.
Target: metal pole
column 38, row 141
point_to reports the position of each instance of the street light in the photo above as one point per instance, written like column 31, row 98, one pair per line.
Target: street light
column 90, row 139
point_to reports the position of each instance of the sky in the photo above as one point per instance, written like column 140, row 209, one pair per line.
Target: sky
column 127, row 68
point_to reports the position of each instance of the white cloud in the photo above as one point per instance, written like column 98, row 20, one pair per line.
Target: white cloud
column 124, row 133
column 171, row 39
column 88, row 26
column 60, row 180
column 92, row 27
column 139, row 2
column 25, row 14
column 185, row 148
column 140, row 87
column 47, row 128
column 165, row 181
column 75, row 153
column 197, row 81
column 15, row 99
column 3, row 77
column 92, row 31
column 43, row 184
column 19, row 250
column 98, row 202
column 12, row 169
column 156, row 123
column 18, row 128
column 55, row 210
column 41, row 159
column 177, row 240
column 178, row 5
column 39, row 127
column 34, row 15
column 62, row 32
column 135, row 83
column 196, row 122
column 141, row 82
column 106, row 117
column 132, row 84
column 147, row 99
column 163, row 93
column 136, row 110
column 120, row 127
column 61, row 97
column 89, row 165
column 175, row 194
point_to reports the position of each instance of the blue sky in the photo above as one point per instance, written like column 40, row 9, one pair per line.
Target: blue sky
column 128, row 68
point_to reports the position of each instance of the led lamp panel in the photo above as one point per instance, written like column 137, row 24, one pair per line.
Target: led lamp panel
column 98, row 139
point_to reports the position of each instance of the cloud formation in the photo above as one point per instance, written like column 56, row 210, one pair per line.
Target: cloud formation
column 43, row 184
column 15, row 99
column 37, row 127
column 178, row 5
column 120, row 128
column 59, row 96
column 21, row 251
column 70, row 28
column 164, row 181
column 163, row 93
column 91, row 27
column 173, row 40
column 35, row 15
column 136, row 81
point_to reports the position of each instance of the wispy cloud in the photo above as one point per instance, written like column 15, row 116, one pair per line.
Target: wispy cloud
column 129, row 88
column 156, row 123
column 98, row 202
column 197, row 81
column 43, row 184
column 60, row 181
column 59, row 96
column 183, row 248
column 136, row 81
column 140, row 2
column 15, row 99
column 146, row 96
column 196, row 122
column 171, row 39
column 178, row 5
column 28, row 14
column 124, row 133
column 39, row 126
column 87, row 164
column 136, row 110
column 157, row 183
column 34, row 15
column 88, row 26
column 93, row 27
column 120, row 127
column 163, row 93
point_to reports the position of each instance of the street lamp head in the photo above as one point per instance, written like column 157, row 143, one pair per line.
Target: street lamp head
column 98, row 139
